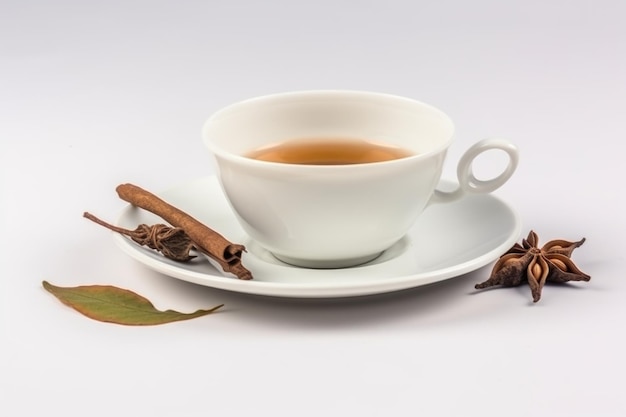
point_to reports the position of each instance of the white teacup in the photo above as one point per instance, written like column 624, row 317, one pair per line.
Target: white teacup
column 332, row 216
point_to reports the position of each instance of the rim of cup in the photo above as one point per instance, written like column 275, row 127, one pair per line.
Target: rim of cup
column 235, row 157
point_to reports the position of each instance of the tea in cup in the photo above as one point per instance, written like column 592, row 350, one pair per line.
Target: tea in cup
column 331, row 178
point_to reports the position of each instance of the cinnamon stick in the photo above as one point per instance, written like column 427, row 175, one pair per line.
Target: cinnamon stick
column 207, row 240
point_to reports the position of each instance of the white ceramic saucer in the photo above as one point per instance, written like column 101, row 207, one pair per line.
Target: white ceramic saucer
column 448, row 240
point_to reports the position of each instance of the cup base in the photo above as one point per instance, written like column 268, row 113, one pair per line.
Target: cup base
column 326, row 263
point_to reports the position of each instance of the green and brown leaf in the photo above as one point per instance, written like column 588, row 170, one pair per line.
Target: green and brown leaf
column 111, row 304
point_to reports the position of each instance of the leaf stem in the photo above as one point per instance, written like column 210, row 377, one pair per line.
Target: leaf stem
column 117, row 229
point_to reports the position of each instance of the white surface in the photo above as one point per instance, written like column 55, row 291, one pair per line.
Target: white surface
column 93, row 94
column 447, row 241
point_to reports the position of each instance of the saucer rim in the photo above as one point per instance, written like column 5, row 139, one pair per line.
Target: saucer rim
column 309, row 289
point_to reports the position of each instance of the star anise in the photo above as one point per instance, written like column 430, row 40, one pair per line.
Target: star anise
column 527, row 263
column 172, row 242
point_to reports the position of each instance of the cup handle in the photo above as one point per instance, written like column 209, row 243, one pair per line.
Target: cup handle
column 468, row 183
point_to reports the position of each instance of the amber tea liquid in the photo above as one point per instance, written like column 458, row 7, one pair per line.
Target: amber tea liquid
column 328, row 152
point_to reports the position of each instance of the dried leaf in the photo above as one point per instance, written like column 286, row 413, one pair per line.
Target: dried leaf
column 116, row 305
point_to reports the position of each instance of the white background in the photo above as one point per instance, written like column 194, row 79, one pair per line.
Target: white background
column 93, row 94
